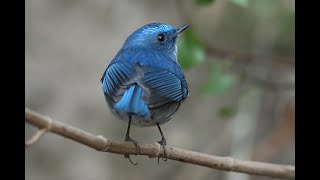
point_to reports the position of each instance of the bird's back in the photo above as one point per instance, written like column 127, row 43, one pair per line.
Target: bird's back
column 144, row 84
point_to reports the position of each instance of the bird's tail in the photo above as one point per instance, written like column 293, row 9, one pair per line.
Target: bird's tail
column 132, row 103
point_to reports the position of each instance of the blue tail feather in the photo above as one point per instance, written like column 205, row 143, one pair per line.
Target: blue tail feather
column 132, row 103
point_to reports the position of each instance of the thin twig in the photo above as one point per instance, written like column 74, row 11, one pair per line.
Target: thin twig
column 36, row 137
column 155, row 150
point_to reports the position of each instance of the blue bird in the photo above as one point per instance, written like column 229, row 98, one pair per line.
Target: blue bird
column 144, row 85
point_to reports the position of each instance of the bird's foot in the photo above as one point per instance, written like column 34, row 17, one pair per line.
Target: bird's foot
column 163, row 142
column 128, row 139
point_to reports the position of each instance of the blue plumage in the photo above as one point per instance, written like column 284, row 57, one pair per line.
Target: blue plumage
column 131, row 102
column 144, row 83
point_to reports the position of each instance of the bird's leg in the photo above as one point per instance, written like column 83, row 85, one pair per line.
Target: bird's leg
column 163, row 142
column 128, row 139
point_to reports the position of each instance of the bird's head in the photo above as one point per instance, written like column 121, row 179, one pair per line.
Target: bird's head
column 156, row 36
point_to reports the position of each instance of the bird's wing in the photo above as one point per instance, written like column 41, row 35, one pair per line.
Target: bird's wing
column 161, row 86
column 117, row 79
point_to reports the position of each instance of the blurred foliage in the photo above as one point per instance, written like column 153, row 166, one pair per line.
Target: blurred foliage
column 203, row 2
column 282, row 21
column 265, row 7
column 220, row 79
column 228, row 112
column 191, row 50
column 242, row 3
column 239, row 32
column 284, row 33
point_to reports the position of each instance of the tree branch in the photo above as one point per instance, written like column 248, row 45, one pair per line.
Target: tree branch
column 155, row 150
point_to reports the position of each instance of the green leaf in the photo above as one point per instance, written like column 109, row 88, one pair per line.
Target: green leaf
column 243, row 3
column 203, row 2
column 190, row 50
column 227, row 112
column 220, row 80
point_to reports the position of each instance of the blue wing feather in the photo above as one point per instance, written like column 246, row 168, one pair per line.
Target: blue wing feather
column 164, row 86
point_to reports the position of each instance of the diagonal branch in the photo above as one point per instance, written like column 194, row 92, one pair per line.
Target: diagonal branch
column 155, row 150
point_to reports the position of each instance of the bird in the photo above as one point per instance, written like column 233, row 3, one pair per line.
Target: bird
column 144, row 85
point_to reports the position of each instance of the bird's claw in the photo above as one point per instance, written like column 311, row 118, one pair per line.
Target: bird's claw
column 128, row 139
column 128, row 157
column 165, row 154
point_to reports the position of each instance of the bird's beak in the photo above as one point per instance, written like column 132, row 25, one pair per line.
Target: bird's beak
column 180, row 30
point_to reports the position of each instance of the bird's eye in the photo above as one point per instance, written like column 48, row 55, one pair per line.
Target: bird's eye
column 161, row 37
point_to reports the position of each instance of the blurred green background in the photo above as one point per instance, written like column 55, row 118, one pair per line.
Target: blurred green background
column 239, row 62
